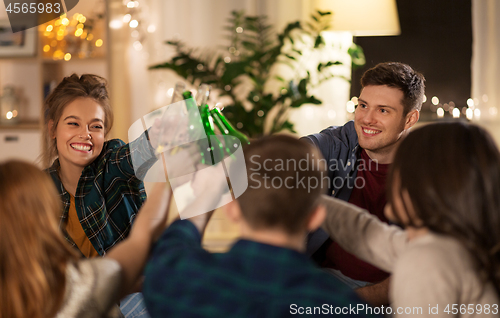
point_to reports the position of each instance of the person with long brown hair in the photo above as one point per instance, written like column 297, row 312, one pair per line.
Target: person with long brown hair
column 99, row 181
column 41, row 275
column 444, row 190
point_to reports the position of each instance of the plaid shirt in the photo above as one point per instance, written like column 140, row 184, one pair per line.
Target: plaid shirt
column 251, row 280
column 109, row 193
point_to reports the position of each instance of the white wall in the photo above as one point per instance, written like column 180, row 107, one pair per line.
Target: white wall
column 199, row 23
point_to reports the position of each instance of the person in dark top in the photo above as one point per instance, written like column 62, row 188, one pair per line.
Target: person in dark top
column 358, row 156
column 265, row 273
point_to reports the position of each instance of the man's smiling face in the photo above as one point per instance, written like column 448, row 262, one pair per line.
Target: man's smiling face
column 379, row 120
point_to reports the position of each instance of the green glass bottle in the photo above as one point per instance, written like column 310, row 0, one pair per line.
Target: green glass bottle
column 225, row 126
column 214, row 143
column 195, row 120
column 179, row 89
column 223, row 131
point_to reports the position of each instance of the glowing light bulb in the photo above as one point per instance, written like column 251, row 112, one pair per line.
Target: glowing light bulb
column 350, row 107
column 98, row 43
column 137, row 45
column 440, row 112
column 469, row 113
column 115, row 24
column 435, row 100
column 67, row 56
column 134, row 24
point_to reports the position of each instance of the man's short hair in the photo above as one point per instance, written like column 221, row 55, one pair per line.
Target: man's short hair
column 286, row 177
column 400, row 76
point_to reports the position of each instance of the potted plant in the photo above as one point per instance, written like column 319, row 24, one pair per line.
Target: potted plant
column 246, row 74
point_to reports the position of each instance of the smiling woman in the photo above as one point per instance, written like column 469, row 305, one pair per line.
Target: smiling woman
column 79, row 136
column 95, row 178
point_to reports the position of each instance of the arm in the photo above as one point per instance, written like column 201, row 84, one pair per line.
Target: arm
column 207, row 189
column 362, row 234
column 375, row 294
column 428, row 276
column 130, row 160
column 132, row 253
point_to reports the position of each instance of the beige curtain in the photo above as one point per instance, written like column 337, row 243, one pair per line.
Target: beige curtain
column 486, row 63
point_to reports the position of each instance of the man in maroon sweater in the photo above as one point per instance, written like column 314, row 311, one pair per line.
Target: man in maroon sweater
column 358, row 155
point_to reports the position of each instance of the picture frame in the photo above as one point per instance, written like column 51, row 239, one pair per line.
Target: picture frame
column 18, row 44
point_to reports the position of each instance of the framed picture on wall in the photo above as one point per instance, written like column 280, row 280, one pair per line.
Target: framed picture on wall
column 16, row 44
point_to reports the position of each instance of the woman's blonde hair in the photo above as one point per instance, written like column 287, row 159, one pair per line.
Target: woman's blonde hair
column 71, row 88
column 33, row 253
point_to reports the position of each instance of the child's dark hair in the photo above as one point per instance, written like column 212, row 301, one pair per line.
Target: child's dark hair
column 286, row 177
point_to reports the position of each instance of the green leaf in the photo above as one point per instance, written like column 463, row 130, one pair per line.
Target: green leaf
column 324, row 13
column 305, row 100
column 233, row 70
column 318, row 42
column 357, row 56
column 302, row 88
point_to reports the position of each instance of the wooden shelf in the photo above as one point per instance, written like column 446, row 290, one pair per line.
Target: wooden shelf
column 30, row 125
column 74, row 59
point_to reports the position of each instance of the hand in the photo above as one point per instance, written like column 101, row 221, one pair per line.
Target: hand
column 181, row 164
column 210, row 179
column 173, row 129
column 207, row 187
column 154, row 133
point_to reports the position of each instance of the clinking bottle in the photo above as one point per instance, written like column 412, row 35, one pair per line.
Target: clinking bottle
column 225, row 126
